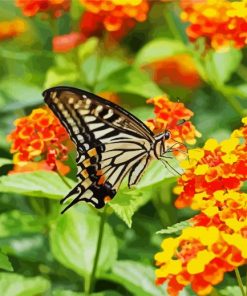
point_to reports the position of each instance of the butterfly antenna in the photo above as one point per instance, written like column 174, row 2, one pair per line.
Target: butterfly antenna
column 166, row 163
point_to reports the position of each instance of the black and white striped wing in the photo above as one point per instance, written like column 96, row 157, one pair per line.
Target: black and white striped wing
column 111, row 143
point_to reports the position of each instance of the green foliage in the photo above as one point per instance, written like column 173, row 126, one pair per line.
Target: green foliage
column 5, row 263
column 38, row 184
column 76, row 233
column 17, row 285
column 46, row 253
column 159, row 49
column 174, row 229
column 136, row 277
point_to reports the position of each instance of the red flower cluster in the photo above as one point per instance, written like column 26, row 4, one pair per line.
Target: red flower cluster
column 216, row 243
column 40, row 138
column 221, row 23
column 54, row 7
column 168, row 114
column 178, row 70
column 10, row 29
column 115, row 16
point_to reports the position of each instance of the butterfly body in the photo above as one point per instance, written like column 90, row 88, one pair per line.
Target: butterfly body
column 111, row 143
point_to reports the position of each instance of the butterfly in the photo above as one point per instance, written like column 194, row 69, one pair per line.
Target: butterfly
column 111, row 143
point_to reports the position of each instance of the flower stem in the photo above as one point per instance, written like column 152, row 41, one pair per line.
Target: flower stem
column 246, row 286
column 98, row 248
column 239, row 280
column 64, row 179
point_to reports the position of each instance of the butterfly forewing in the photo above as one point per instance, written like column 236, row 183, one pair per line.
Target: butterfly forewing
column 111, row 143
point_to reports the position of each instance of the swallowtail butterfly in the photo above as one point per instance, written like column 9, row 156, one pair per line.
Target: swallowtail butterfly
column 111, row 143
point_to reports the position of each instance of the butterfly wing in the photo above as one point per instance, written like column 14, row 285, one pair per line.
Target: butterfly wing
column 110, row 141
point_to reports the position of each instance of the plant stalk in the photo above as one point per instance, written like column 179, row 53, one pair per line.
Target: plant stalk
column 64, row 179
column 239, row 280
column 98, row 248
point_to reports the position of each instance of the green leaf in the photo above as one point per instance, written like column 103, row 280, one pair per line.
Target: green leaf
column 15, row 223
column 17, row 285
column 137, row 278
column 20, row 96
column 71, row 293
column 131, row 81
column 4, row 161
column 87, row 48
column 5, row 263
column 31, row 247
column 159, row 49
column 98, row 68
column 174, row 229
column 39, row 184
column 230, row 291
column 221, row 65
column 74, row 239
column 128, row 201
column 64, row 71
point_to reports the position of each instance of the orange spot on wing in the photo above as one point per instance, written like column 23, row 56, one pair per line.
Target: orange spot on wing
column 86, row 162
column 92, row 152
column 107, row 199
column 84, row 173
column 101, row 180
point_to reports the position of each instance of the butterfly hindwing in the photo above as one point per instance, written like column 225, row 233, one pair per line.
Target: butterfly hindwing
column 111, row 143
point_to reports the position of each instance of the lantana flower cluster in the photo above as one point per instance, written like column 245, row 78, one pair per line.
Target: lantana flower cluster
column 54, row 7
column 169, row 115
column 39, row 141
column 177, row 70
column 10, row 29
column 216, row 242
column 221, row 23
column 114, row 16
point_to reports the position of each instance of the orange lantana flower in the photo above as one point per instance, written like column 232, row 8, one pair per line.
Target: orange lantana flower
column 38, row 137
column 10, row 29
column 178, row 70
column 221, row 23
column 199, row 256
column 216, row 166
column 54, row 7
column 168, row 115
column 114, row 16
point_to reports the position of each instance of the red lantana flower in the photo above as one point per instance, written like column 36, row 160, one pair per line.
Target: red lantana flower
column 40, row 138
column 54, row 7
column 67, row 42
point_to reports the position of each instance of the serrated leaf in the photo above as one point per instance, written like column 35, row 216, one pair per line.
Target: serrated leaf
column 17, row 285
column 39, row 184
column 159, row 49
column 5, row 263
column 132, row 81
column 137, row 278
column 74, row 239
column 128, row 201
column 174, row 228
